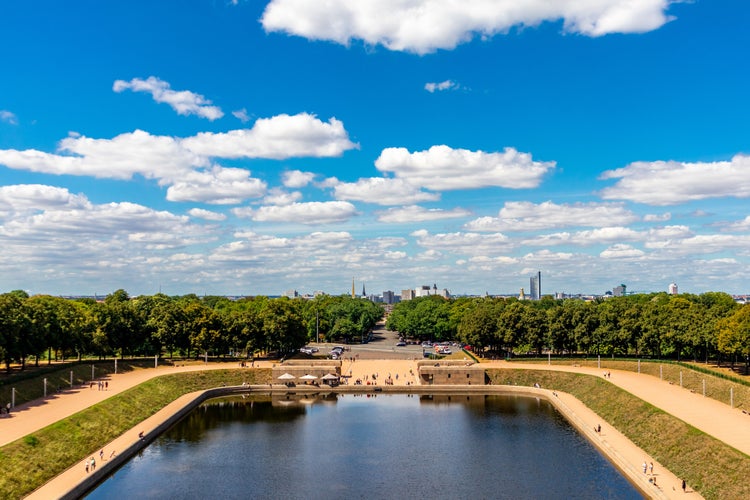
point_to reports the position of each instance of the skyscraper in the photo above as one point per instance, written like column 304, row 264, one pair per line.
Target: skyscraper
column 535, row 286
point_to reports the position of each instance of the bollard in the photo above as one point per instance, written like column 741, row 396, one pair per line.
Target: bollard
column 156, row 360
column 680, row 378
column 731, row 397
column 598, row 361
column 13, row 398
column 549, row 358
column 704, row 387
column 661, row 376
column 71, row 379
column 639, row 366
column 92, row 373
column 45, row 387
column 115, row 366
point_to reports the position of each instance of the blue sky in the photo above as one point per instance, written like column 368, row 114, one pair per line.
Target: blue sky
column 251, row 147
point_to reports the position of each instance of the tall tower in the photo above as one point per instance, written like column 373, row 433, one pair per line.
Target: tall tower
column 535, row 286
column 364, row 294
column 354, row 294
column 673, row 288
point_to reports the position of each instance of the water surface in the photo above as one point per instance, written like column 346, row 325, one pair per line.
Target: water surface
column 385, row 446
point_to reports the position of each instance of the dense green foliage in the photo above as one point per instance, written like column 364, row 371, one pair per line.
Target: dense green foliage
column 655, row 325
column 57, row 328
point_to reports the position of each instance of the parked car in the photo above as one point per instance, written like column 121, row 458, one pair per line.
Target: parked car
column 400, row 343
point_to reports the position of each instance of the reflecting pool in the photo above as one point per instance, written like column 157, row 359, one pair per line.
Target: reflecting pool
column 381, row 446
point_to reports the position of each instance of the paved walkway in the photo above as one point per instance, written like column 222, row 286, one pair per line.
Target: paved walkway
column 710, row 416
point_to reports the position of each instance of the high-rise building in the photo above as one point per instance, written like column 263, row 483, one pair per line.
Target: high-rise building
column 619, row 291
column 535, row 286
column 389, row 297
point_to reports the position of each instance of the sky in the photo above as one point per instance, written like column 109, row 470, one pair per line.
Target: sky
column 252, row 147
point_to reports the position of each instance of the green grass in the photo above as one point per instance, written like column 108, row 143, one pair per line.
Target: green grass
column 711, row 467
column 718, row 383
column 33, row 460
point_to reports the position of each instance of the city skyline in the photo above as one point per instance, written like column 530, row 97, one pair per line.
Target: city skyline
column 236, row 147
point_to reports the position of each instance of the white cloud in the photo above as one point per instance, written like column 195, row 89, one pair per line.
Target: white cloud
column 672, row 182
column 8, row 117
column 464, row 243
column 380, row 190
column 527, row 216
column 621, row 251
column 31, row 198
column 423, row 26
column 183, row 102
column 296, row 179
column 185, row 164
column 603, row 235
column 241, row 115
column 414, row 213
column 442, row 168
column 277, row 196
column 312, row 213
column 201, row 213
column 279, row 137
column 217, row 185
column 431, row 87
column 657, row 217
column 741, row 225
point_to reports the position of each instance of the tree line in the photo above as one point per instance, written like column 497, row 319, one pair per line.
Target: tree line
column 55, row 328
column 644, row 325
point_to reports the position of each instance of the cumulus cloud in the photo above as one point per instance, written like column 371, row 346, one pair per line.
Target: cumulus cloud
column 380, row 190
column 296, row 179
column 657, row 217
column 31, row 198
column 201, row 213
column 185, row 165
column 527, row 216
column 603, row 235
column 217, row 186
column 672, row 182
column 431, row 87
column 8, row 117
column 423, row 26
column 315, row 212
column 621, row 251
column 415, row 213
column 183, row 102
column 442, row 168
column 277, row 196
column 279, row 137
column 463, row 243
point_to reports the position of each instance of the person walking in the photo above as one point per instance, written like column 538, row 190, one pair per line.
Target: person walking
column 645, row 467
column 651, row 468
column 683, row 486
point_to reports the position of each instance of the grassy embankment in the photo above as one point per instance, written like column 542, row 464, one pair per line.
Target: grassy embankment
column 709, row 466
column 33, row 460
column 718, row 381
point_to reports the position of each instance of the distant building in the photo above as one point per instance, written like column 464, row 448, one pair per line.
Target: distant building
column 292, row 294
column 423, row 291
column 619, row 291
column 673, row 288
column 535, row 286
column 389, row 297
column 408, row 295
